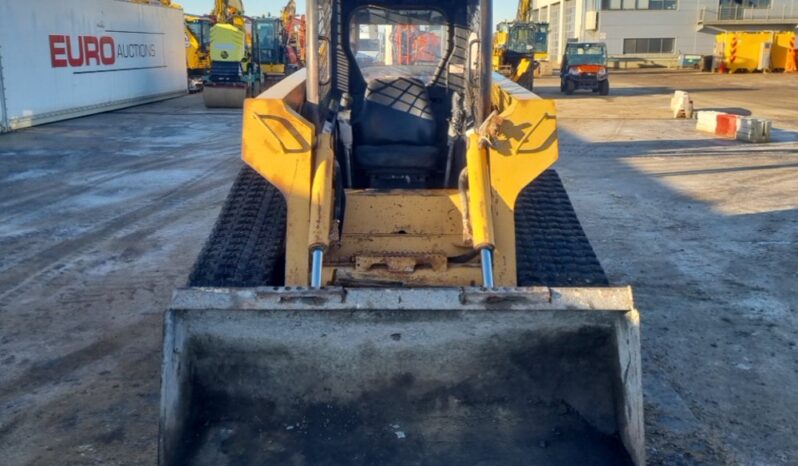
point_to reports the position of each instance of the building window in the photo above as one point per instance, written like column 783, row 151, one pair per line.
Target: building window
column 756, row 4
column 662, row 5
column 646, row 4
column 647, row 46
column 736, row 9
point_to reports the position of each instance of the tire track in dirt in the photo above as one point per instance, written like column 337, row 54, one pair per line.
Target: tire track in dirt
column 20, row 203
column 17, row 277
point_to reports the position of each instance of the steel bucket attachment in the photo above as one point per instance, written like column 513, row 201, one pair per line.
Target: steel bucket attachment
column 402, row 376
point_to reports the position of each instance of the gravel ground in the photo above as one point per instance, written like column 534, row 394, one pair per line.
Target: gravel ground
column 706, row 231
column 101, row 217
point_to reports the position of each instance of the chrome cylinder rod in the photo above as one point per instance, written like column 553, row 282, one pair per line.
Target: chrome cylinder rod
column 487, row 267
column 316, row 266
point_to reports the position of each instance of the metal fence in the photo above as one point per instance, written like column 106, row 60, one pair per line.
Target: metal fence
column 786, row 11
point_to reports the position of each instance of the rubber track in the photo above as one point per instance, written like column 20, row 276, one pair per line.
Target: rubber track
column 247, row 244
column 552, row 248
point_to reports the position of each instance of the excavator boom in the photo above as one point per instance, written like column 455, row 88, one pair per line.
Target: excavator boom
column 524, row 11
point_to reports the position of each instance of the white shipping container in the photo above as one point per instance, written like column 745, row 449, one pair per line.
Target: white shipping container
column 65, row 58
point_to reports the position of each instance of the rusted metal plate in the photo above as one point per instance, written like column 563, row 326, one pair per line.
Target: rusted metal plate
column 400, row 263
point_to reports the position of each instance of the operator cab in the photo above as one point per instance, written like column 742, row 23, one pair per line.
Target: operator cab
column 521, row 39
column 402, row 86
column 201, row 28
column 268, row 33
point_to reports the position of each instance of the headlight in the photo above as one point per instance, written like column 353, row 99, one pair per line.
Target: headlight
column 573, row 71
column 602, row 72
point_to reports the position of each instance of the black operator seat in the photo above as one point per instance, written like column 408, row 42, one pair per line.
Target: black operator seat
column 396, row 129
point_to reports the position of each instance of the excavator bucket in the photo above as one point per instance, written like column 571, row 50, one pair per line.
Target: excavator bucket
column 224, row 96
column 401, row 376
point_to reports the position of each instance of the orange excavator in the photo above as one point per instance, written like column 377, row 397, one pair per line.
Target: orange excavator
column 294, row 35
column 412, row 45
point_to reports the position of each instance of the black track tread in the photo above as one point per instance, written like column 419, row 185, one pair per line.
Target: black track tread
column 248, row 241
column 551, row 247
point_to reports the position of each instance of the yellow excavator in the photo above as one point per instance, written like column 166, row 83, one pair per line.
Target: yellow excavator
column 515, row 47
column 397, row 275
column 293, row 36
column 198, row 58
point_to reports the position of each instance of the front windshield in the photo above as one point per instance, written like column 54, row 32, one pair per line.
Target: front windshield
column 202, row 31
column 586, row 54
column 268, row 42
column 522, row 39
column 409, row 43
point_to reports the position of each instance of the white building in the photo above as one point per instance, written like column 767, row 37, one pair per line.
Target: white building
column 657, row 28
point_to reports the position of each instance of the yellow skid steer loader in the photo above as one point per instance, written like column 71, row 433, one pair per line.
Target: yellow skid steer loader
column 397, row 276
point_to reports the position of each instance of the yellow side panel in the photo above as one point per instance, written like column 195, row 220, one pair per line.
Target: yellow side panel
column 227, row 43
column 781, row 49
column 278, row 142
column 741, row 50
column 525, row 146
column 411, row 221
column 195, row 58
column 273, row 68
column 499, row 40
column 406, row 212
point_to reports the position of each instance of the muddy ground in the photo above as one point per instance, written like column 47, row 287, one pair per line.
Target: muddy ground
column 100, row 217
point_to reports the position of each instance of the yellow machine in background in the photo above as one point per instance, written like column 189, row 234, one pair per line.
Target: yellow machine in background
column 278, row 42
column 294, row 35
column 514, row 52
column 755, row 51
column 518, row 44
column 198, row 58
column 197, row 38
column 269, row 49
column 232, row 77
column 397, row 275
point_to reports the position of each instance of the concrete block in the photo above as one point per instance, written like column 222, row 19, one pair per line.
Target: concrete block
column 752, row 129
column 681, row 105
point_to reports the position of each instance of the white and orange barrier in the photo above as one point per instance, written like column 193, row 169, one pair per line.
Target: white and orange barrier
column 738, row 127
column 707, row 121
